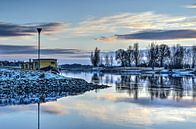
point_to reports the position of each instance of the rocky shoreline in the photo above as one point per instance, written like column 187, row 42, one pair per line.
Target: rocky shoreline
column 42, row 87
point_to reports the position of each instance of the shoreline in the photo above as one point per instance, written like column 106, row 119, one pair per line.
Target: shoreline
column 133, row 70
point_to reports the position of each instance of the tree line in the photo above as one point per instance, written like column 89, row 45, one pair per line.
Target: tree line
column 175, row 57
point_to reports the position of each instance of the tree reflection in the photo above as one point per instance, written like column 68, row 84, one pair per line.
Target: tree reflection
column 194, row 88
column 100, row 78
column 156, row 86
column 129, row 84
column 95, row 79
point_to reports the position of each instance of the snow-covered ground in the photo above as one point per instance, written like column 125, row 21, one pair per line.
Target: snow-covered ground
column 9, row 74
column 25, row 87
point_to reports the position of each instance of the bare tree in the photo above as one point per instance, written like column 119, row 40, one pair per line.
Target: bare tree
column 187, row 58
column 178, row 55
column 121, row 57
column 111, row 60
column 95, row 57
column 153, row 55
column 164, row 52
column 129, row 56
column 193, row 56
column 107, row 60
column 136, row 54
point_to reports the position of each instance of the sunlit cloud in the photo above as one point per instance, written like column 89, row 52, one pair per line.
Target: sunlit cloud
column 111, row 39
column 133, row 22
column 193, row 6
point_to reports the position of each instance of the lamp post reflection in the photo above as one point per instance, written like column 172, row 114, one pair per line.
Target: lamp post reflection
column 41, row 100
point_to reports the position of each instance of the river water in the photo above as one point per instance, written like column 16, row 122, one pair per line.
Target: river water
column 132, row 102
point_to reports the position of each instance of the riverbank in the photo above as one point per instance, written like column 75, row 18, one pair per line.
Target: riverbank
column 130, row 70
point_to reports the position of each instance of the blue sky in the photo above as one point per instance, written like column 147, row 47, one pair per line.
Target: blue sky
column 85, row 24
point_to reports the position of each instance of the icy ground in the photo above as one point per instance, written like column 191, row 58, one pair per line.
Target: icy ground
column 9, row 74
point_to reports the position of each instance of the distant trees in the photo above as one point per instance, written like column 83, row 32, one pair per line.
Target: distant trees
column 177, row 58
column 157, row 55
column 95, row 57
column 107, row 62
column 126, row 57
column 187, row 58
column 121, row 57
column 129, row 56
column 153, row 55
column 111, row 60
column 193, row 56
column 136, row 54
column 162, row 55
column 164, row 52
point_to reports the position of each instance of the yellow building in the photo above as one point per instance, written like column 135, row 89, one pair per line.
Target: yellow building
column 44, row 64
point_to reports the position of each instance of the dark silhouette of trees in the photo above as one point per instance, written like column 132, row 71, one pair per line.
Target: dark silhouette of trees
column 129, row 56
column 193, row 56
column 126, row 57
column 187, row 58
column 178, row 55
column 153, row 55
column 121, row 56
column 164, row 52
column 111, row 60
column 136, row 54
column 95, row 57
column 107, row 63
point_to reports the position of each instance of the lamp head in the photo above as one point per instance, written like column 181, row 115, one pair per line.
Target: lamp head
column 39, row 29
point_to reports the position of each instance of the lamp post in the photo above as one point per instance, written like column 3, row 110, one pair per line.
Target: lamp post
column 39, row 31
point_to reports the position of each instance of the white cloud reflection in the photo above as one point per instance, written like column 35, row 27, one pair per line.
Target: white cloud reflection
column 124, row 113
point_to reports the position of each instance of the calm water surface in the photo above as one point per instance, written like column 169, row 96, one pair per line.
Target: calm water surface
column 133, row 102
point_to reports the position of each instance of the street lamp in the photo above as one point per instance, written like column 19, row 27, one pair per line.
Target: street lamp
column 39, row 31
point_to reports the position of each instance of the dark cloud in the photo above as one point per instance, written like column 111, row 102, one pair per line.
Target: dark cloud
column 8, row 29
column 15, row 49
column 160, row 35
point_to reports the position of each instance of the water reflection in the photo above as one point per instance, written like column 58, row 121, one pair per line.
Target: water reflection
column 152, row 86
column 145, row 101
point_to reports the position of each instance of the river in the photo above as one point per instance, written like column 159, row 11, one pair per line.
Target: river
column 132, row 102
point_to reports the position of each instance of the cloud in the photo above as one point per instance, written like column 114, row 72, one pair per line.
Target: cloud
column 146, row 101
column 108, row 39
column 132, row 22
column 14, row 30
column 154, row 35
column 97, row 26
column 193, row 6
column 15, row 49
column 127, row 114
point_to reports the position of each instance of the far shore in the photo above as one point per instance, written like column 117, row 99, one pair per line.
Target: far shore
column 126, row 70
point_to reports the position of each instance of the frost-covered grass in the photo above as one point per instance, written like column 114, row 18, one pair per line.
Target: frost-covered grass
column 9, row 74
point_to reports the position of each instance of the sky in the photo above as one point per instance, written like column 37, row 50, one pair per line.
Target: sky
column 73, row 28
